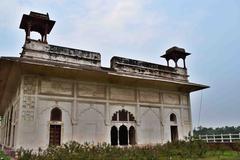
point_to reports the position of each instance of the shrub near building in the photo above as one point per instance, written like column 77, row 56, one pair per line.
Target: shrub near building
column 75, row 151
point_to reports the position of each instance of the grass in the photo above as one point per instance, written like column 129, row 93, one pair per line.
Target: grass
column 3, row 156
column 226, row 155
column 181, row 150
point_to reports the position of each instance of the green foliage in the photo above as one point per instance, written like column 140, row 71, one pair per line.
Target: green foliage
column 185, row 150
column 219, row 130
column 3, row 156
column 180, row 150
column 76, row 151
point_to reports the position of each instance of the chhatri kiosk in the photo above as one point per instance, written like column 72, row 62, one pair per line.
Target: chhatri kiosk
column 51, row 95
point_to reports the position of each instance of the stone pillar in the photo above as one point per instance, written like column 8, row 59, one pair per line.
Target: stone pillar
column 161, row 117
column 28, row 31
column 138, row 112
column 190, row 113
column 45, row 33
column 184, row 63
column 138, row 118
column 74, row 114
column 107, row 116
column 162, row 124
column 182, row 123
column 176, row 60
column 19, row 126
column 108, row 135
column 107, row 107
column 181, row 118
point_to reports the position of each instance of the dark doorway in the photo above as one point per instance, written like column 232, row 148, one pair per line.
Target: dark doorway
column 114, row 136
column 174, row 133
column 123, row 135
column 132, row 140
column 55, row 135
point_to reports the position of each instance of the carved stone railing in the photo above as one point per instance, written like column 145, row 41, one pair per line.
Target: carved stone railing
column 125, row 65
column 38, row 50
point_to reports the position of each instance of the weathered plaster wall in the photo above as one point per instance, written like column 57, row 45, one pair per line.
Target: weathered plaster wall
column 10, row 121
column 87, row 110
column 91, row 126
column 150, row 130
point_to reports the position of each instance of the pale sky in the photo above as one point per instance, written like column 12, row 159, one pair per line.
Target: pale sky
column 143, row 30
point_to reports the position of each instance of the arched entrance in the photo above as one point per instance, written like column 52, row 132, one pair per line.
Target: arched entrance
column 55, row 129
column 174, row 133
column 114, row 136
column 123, row 135
column 132, row 139
column 174, row 127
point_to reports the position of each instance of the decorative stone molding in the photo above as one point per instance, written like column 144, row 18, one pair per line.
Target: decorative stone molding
column 124, row 94
column 42, row 51
column 56, row 87
column 170, row 98
column 136, row 67
column 28, row 108
column 185, row 100
column 29, row 86
column 91, row 90
column 149, row 96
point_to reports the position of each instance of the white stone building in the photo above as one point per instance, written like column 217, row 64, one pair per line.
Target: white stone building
column 53, row 95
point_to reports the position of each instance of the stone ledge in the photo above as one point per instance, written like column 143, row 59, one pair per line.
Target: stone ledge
column 137, row 67
column 38, row 50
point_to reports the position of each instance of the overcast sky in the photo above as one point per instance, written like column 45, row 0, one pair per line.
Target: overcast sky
column 144, row 29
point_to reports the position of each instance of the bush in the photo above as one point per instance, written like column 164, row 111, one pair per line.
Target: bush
column 3, row 156
column 76, row 151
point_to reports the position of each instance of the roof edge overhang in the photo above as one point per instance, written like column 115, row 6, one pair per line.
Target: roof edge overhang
column 101, row 70
column 90, row 73
column 9, row 80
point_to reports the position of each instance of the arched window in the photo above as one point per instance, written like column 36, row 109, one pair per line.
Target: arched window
column 114, row 117
column 131, row 117
column 181, row 63
column 171, row 63
column 114, row 136
column 132, row 138
column 55, row 129
column 173, row 118
column 123, row 135
column 123, row 115
column 56, row 114
column 36, row 36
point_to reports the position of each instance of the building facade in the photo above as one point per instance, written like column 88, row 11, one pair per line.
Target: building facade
column 51, row 95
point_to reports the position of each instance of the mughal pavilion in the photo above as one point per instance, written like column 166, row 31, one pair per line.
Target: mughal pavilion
column 51, row 95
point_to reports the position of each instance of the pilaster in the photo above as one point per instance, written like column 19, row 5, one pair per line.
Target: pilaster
column 107, row 106
column 74, row 118
column 161, row 118
column 19, row 126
